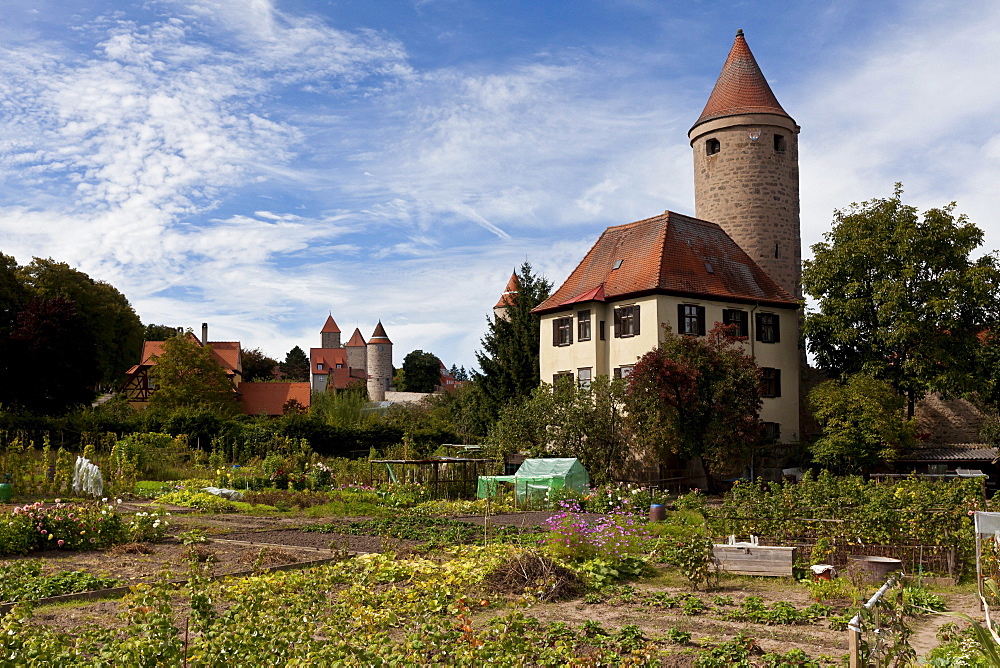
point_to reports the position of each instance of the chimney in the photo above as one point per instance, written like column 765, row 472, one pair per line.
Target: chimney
column 204, row 333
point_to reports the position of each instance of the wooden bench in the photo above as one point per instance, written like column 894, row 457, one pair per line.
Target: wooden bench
column 747, row 559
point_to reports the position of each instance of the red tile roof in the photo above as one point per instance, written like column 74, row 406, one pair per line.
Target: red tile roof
column 668, row 254
column 343, row 378
column 328, row 357
column 330, row 326
column 356, row 339
column 741, row 87
column 379, row 336
column 270, row 398
column 509, row 293
column 226, row 353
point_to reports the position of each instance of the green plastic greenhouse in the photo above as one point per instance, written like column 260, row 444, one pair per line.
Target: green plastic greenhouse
column 536, row 477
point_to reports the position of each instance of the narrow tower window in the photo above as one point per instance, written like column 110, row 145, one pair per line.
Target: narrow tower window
column 779, row 143
column 712, row 146
column 777, row 250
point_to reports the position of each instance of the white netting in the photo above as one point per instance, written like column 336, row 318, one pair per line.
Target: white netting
column 87, row 478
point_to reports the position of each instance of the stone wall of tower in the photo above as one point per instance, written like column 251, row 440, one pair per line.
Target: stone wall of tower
column 329, row 340
column 357, row 357
column 379, row 369
column 750, row 187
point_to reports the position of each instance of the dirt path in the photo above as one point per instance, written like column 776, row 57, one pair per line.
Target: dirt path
column 924, row 637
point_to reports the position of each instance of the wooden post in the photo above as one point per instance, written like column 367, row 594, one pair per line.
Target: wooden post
column 854, row 647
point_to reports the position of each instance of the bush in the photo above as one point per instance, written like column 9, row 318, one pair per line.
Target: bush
column 611, row 537
column 63, row 526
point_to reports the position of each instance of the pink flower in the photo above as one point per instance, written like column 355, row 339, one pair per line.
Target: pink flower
column 60, row 543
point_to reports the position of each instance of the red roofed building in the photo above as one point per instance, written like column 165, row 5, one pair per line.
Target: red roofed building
column 255, row 398
column 689, row 274
column 336, row 366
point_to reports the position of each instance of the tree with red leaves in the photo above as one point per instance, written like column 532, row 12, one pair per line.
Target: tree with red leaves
column 697, row 397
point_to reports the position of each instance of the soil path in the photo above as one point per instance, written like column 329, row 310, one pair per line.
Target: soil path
column 925, row 628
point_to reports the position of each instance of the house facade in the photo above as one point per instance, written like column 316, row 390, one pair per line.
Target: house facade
column 678, row 273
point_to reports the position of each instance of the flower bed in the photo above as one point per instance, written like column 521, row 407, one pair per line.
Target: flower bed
column 68, row 526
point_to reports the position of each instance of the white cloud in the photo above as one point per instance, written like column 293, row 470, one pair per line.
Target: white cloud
column 918, row 105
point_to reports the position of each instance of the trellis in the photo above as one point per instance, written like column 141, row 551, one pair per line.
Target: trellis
column 450, row 472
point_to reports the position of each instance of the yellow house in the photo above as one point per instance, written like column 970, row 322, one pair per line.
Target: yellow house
column 689, row 275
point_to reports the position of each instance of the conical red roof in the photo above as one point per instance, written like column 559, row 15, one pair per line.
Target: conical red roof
column 741, row 88
column 330, row 326
column 509, row 293
column 379, row 336
column 356, row 338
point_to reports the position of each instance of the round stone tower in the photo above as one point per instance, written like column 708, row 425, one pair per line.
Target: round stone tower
column 746, row 168
column 379, row 364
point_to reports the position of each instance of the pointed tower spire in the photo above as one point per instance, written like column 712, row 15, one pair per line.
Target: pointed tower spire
column 329, row 336
column 379, row 336
column 507, row 297
column 741, row 87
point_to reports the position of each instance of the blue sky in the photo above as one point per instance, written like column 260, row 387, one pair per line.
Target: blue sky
column 259, row 164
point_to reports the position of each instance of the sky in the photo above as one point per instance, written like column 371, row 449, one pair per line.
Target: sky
column 260, row 164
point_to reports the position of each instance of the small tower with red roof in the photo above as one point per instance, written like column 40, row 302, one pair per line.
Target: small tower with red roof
column 507, row 298
column 379, row 364
column 330, row 334
column 357, row 351
column 746, row 168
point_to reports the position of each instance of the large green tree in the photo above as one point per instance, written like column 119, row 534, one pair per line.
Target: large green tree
column 296, row 365
column 421, row 372
column 50, row 358
column 900, row 297
column 187, row 378
column 108, row 316
column 862, row 422
column 257, row 366
column 698, row 397
column 508, row 362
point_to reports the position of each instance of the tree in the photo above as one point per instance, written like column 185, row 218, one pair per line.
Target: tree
column 158, row 332
column 899, row 297
column 459, row 373
column 862, row 422
column 13, row 294
column 421, row 372
column 296, row 365
column 696, row 397
column 50, row 357
column 187, row 378
column 109, row 317
column 508, row 362
column 567, row 421
column 257, row 366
